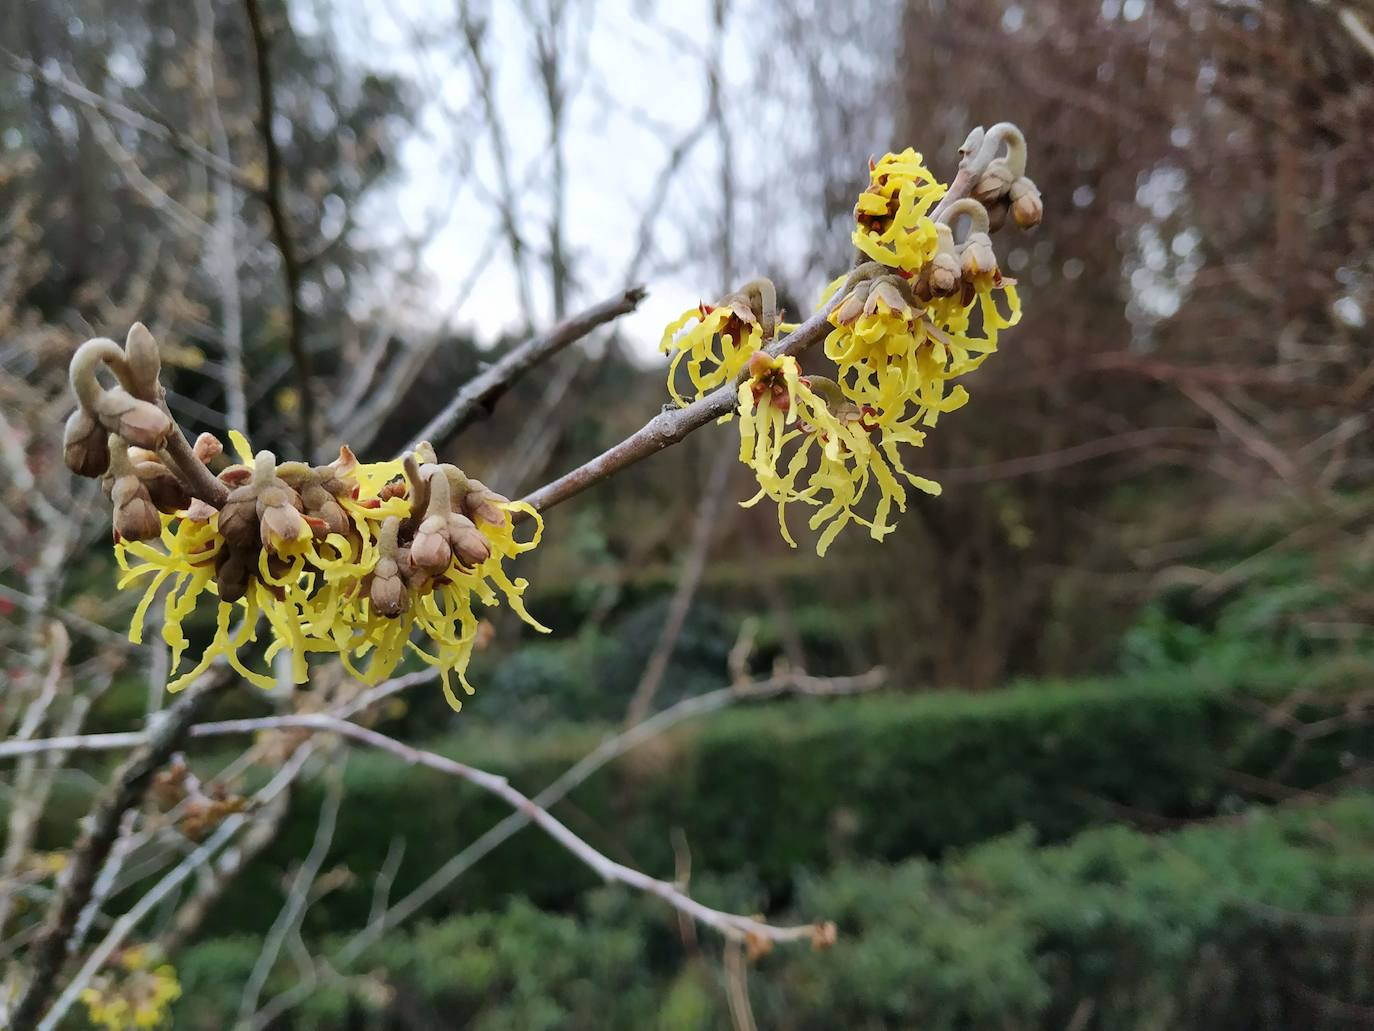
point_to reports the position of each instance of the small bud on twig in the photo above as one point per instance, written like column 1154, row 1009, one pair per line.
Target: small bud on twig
column 207, row 446
column 85, row 445
column 1026, row 205
column 387, row 590
column 135, row 517
column 144, row 362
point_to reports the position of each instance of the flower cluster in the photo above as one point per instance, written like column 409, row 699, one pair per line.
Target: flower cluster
column 136, row 993
column 347, row 558
column 920, row 312
column 716, row 340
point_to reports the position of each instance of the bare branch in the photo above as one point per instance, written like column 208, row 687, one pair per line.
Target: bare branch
column 671, row 427
column 281, row 232
column 297, row 898
column 731, row 925
column 608, row 751
column 125, row 791
column 170, row 882
column 479, row 396
column 222, row 248
column 148, row 126
column 688, row 579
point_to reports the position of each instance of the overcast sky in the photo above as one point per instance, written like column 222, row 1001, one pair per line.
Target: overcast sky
column 636, row 89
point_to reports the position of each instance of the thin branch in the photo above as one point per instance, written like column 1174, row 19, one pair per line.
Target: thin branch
column 479, row 396
column 730, row 925
column 671, row 427
column 124, row 740
column 170, row 882
column 125, row 791
column 148, row 126
column 608, row 751
column 688, row 580
column 222, row 248
column 297, row 898
column 281, row 232
column 474, row 32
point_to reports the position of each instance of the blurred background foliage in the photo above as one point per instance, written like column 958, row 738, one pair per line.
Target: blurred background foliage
column 1117, row 778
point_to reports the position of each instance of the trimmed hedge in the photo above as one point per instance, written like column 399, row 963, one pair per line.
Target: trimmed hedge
column 804, row 784
column 1247, row 924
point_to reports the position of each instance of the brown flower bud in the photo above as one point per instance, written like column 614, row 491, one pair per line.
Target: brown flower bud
column 279, row 514
column 942, row 274
column 143, row 361
column 1026, row 205
column 469, row 546
column 885, row 294
column 200, row 512
column 977, row 256
column 994, row 183
column 388, row 592
column 136, row 421
column 207, row 446
column 480, row 504
column 85, row 445
column 849, row 310
column 997, row 214
column 386, row 588
column 169, row 785
column 321, row 503
column 430, row 551
column 234, row 569
column 238, row 519
column 824, row 935
column 135, row 516
column 167, row 492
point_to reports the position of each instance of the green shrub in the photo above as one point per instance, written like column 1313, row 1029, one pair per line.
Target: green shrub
column 1235, row 926
column 771, row 789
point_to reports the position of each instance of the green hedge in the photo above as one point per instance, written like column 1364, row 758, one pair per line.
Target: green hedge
column 775, row 788
column 1246, row 924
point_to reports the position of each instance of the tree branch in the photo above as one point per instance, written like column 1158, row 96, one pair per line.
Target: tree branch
column 125, row 791
column 606, row 752
column 732, row 926
column 482, row 392
column 148, row 126
column 281, row 233
column 672, row 426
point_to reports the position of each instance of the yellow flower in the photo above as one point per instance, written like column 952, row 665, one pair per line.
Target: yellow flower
column 912, row 320
column 779, row 407
column 303, row 562
column 139, row 997
column 892, row 215
column 717, row 340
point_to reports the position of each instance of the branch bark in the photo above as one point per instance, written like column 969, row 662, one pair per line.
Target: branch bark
column 126, row 790
column 732, row 926
column 670, row 427
column 477, row 398
column 281, row 232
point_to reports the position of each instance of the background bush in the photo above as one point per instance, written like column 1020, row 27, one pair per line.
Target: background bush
column 881, row 777
column 1240, row 925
